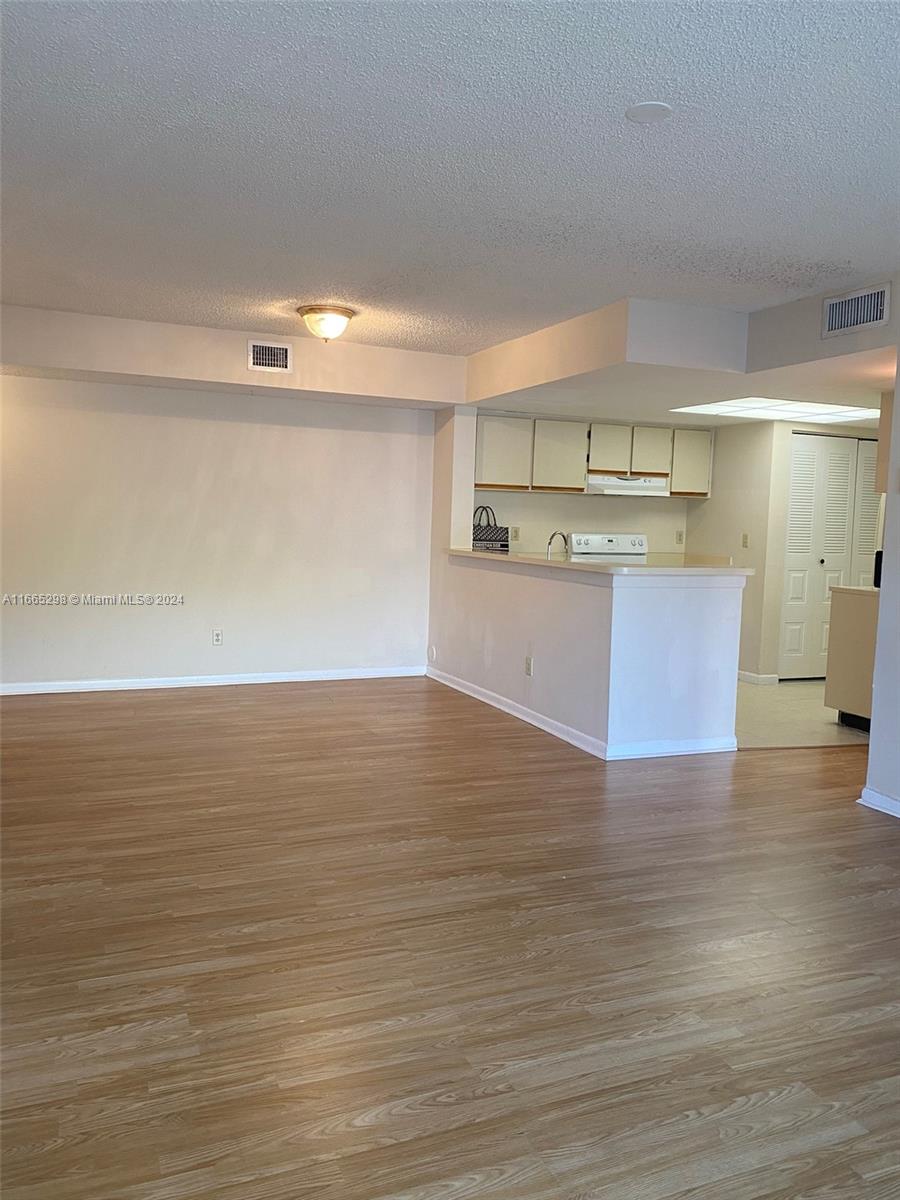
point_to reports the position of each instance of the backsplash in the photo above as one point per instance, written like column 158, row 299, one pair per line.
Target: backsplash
column 537, row 514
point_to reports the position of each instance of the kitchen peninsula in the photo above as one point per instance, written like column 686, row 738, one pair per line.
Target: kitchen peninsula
column 622, row 661
column 631, row 659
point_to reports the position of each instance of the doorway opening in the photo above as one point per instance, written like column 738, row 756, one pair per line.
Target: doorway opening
column 829, row 603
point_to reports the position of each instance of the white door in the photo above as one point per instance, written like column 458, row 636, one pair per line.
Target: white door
column 866, row 517
column 818, row 549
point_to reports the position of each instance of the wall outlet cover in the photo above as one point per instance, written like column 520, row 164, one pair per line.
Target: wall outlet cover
column 745, row 541
column 514, row 533
column 679, row 537
column 529, row 665
column 217, row 638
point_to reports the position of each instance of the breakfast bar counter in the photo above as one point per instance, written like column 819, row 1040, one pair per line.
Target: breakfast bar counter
column 622, row 660
column 659, row 564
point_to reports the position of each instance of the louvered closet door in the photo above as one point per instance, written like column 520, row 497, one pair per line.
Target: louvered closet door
column 866, row 514
column 818, row 549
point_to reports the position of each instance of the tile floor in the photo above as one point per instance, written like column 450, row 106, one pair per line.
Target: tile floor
column 791, row 713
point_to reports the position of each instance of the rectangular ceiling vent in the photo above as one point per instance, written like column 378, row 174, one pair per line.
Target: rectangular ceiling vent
column 856, row 310
column 269, row 356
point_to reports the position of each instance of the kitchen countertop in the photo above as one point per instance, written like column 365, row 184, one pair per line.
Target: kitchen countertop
column 563, row 563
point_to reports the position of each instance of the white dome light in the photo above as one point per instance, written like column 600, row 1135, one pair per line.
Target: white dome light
column 326, row 321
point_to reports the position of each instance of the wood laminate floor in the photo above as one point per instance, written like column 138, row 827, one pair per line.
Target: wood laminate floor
column 376, row 940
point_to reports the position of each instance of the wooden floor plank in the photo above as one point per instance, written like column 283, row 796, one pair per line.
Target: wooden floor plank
column 375, row 941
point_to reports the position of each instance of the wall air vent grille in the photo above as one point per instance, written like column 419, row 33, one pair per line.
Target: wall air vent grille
column 856, row 310
column 268, row 356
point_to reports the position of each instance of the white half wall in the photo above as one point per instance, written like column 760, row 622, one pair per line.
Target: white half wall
column 298, row 528
column 624, row 666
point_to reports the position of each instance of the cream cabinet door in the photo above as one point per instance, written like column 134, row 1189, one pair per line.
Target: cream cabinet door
column 610, row 449
column 560, row 455
column 503, row 452
column 691, row 462
column 651, row 451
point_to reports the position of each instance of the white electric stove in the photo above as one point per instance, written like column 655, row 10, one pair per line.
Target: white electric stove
column 608, row 547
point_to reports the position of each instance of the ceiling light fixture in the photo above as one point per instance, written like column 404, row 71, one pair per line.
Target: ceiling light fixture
column 325, row 321
column 648, row 112
column 762, row 408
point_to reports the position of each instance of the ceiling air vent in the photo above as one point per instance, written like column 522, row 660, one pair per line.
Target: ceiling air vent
column 268, row 356
column 856, row 310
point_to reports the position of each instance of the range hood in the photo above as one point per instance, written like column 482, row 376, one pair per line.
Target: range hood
column 628, row 485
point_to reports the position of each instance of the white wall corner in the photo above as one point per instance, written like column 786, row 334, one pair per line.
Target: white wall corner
column 462, row 501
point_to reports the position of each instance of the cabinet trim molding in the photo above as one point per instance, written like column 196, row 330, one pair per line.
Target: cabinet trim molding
column 502, row 487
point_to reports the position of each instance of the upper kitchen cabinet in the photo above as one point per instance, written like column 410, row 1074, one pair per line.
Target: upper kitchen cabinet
column 503, row 452
column 691, row 462
column 610, row 449
column 560, row 456
column 651, row 451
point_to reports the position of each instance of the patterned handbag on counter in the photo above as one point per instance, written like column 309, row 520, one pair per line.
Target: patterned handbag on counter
column 486, row 533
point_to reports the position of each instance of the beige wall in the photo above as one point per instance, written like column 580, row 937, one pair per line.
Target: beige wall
column 586, row 343
column 300, row 529
column 738, row 504
column 538, row 514
column 792, row 333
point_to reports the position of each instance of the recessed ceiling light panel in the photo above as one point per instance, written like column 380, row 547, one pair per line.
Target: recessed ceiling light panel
column 763, row 408
column 648, row 112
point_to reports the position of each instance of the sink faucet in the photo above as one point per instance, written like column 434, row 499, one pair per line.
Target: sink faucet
column 557, row 533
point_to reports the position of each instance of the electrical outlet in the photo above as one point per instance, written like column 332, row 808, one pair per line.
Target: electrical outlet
column 514, row 533
column 432, row 653
column 529, row 665
column 745, row 541
column 679, row 537
column 217, row 638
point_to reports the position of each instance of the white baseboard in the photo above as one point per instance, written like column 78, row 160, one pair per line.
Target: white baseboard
column 886, row 804
column 749, row 677
column 182, row 681
column 592, row 745
column 668, row 749
column 574, row 737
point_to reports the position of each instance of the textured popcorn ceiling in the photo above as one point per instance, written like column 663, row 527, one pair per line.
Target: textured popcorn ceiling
column 460, row 172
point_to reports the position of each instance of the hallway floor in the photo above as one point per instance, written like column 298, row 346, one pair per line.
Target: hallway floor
column 791, row 713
